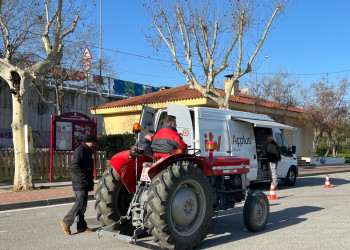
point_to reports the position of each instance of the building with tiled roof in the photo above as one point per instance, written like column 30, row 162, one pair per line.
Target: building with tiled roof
column 119, row 116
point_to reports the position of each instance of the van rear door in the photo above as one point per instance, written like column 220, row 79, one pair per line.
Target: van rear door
column 183, row 121
column 146, row 120
column 242, row 141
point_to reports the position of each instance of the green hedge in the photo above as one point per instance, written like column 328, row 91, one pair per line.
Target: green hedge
column 114, row 144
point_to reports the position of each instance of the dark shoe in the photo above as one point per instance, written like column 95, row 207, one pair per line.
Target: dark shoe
column 87, row 230
column 65, row 228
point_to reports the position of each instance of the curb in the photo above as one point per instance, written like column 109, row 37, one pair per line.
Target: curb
column 40, row 203
column 323, row 173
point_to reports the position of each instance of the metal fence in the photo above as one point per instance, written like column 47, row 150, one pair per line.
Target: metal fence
column 41, row 163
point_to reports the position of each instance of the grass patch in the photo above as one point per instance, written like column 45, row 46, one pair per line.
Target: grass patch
column 41, row 178
column 35, row 188
column 54, row 177
column 6, row 179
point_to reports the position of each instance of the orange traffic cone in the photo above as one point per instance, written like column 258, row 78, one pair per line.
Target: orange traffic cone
column 327, row 183
column 272, row 195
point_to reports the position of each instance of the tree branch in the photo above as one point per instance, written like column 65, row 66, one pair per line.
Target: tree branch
column 171, row 46
column 7, row 38
column 71, row 30
column 186, row 42
column 42, row 96
column 277, row 9
column 45, row 36
column 224, row 63
column 201, row 59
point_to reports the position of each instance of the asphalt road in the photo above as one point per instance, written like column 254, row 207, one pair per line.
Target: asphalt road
column 306, row 216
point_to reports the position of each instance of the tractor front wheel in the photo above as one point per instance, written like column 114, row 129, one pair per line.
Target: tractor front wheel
column 256, row 211
column 179, row 206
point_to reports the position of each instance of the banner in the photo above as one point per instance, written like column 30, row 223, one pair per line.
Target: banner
column 131, row 89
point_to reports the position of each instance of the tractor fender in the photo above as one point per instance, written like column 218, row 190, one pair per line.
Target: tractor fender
column 125, row 167
column 211, row 166
column 163, row 163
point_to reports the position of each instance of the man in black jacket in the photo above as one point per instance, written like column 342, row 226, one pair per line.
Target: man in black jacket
column 82, row 167
column 273, row 157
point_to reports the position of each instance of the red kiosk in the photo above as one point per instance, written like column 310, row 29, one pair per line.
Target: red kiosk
column 68, row 131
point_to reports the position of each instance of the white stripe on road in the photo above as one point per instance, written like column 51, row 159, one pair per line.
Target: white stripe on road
column 33, row 208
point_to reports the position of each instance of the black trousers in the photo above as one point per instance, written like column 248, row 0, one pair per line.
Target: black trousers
column 78, row 209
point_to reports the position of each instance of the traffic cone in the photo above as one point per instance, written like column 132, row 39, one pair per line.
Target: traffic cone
column 327, row 183
column 272, row 195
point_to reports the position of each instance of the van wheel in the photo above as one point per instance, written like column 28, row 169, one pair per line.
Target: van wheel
column 112, row 198
column 179, row 206
column 256, row 211
column 291, row 177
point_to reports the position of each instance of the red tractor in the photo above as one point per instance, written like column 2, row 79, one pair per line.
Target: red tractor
column 174, row 197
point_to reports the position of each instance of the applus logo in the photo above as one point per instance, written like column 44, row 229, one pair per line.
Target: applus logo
column 241, row 140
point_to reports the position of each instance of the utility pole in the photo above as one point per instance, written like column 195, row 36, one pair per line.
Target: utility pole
column 100, row 37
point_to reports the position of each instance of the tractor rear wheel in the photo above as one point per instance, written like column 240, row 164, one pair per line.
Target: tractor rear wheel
column 256, row 211
column 179, row 206
column 112, row 198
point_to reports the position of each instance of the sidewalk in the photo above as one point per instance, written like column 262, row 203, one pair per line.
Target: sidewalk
column 53, row 193
column 61, row 192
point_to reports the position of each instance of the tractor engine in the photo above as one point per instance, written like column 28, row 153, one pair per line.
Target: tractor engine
column 227, row 190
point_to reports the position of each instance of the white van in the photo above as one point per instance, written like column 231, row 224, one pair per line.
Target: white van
column 236, row 133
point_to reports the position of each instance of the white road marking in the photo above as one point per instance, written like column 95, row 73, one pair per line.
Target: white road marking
column 34, row 208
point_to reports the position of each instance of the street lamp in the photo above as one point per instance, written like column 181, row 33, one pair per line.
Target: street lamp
column 267, row 66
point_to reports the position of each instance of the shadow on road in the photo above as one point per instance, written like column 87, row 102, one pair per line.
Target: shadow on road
column 229, row 225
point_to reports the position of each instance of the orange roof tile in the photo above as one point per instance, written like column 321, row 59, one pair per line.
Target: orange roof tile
column 184, row 92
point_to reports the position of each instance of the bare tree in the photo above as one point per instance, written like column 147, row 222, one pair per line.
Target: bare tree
column 68, row 77
column 33, row 35
column 214, row 35
column 284, row 90
column 258, row 89
column 341, row 132
column 280, row 89
column 325, row 106
column 337, row 131
column 337, row 121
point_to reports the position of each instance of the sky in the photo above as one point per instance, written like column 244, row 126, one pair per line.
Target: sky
column 310, row 40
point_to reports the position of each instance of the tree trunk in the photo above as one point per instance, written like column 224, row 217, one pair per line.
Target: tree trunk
column 58, row 100
column 316, row 142
column 328, row 147
column 336, row 146
column 334, row 151
column 23, row 179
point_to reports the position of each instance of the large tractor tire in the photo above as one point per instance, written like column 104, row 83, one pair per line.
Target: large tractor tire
column 112, row 198
column 256, row 211
column 179, row 206
column 291, row 177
